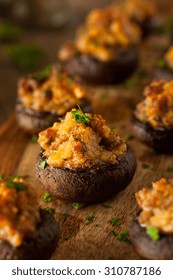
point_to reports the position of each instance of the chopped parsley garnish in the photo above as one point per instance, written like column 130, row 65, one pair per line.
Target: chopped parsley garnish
column 132, row 82
column 89, row 219
column 128, row 138
column 106, row 206
column 81, row 117
column 11, row 178
column 43, row 164
column 49, row 210
column 123, row 236
column 104, row 95
column 69, row 81
column 19, row 186
column 166, row 28
column 43, row 74
column 153, row 233
column 113, row 233
column 169, row 169
column 161, row 63
column 47, row 92
column 9, row 31
column 26, row 57
column 34, row 139
column 143, row 121
column 96, row 41
column 75, row 205
column 1, row 176
column 115, row 221
column 46, row 197
column 145, row 165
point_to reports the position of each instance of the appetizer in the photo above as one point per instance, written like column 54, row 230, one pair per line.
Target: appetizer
column 151, row 231
column 143, row 13
column 153, row 117
column 164, row 68
column 104, row 50
column 83, row 160
column 26, row 232
column 45, row 96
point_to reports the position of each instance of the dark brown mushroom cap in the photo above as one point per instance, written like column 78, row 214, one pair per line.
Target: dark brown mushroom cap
column 34, row 121
column 161, row 249
column 95, row 71
column 160, row 139
column 88, row 185
column 40, row 247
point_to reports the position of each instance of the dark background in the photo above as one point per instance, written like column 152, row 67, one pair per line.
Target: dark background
column 49, row 39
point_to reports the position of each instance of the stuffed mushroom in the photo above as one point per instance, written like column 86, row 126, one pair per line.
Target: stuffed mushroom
column 47, row 95
column 26, row 232
column 153, row 117
column 83, row 160
column 104, row 50
column 151, row 231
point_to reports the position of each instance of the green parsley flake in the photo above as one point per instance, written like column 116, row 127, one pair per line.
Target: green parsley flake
column 9, row 31
column 26, row 57
column 106, row 206
column 145, row 165
column 46, row 197
column 19, row 186
column 128, row 138
column 123, row 236
column 43, row 164
column 104, row 95
column 115, row 221
column 1, row 176
column 161, row 63
column 80, row 117
column 113, row 233
column 49, row 210
column 43, row 74
column 170, row 169
column 69, row 81
column 89, row 219
column 34, row 139
column 75, row 205
column 153, row 233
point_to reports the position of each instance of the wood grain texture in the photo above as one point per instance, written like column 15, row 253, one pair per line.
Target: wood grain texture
column 95, row 241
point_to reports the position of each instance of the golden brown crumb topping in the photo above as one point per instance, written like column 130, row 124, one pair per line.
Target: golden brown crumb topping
column 58, row 93
column 157, row 107
column 19, row 211
column 81, row 140
column 157, row 206
column 102, row 35
column 139, row 10
column 169, row 58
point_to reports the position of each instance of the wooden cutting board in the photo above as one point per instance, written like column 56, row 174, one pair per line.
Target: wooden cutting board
column 95, row 240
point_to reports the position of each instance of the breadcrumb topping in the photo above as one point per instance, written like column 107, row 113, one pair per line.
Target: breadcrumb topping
column 157, row 206
column 103, row 34
column 74, row 144
column 58, row 93
column 157, row 107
